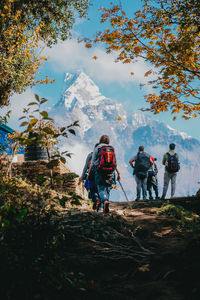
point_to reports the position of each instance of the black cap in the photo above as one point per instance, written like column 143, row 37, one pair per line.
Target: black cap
column 172, row 146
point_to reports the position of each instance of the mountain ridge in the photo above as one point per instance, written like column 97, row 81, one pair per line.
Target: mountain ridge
column 82, row 100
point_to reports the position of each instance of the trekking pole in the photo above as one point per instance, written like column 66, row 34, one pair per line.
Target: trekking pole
column 125, row 194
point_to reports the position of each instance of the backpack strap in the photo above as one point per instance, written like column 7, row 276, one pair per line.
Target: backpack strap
column 138, row 155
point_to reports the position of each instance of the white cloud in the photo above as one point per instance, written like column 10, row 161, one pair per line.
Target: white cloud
column 17, row 103
column 77, row 160
column 71, row 56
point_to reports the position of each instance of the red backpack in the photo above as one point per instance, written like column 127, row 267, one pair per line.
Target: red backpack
column 107, row 159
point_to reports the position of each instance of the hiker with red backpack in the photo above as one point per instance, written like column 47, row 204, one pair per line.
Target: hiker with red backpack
column 143, row 163
column 104, row 162
column 172, row 166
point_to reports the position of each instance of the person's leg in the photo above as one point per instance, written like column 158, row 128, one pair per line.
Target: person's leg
column 138, row 186
column 149, row 187
column 150, row 194
column 106, row 202
column 144, row 188
column 173, row 184
column 155, row 186
column 94, row 196
column 103, row 193
column 165, row 184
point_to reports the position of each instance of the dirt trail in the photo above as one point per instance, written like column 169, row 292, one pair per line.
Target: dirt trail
column 172, row 270
column 133, row 254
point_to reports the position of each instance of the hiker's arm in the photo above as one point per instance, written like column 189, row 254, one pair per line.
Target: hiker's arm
column 85, row 167
column 178, row 161
column 118, row 174
column 92, row 161
column 90, row 167
column 164, row 159
column 131, row 163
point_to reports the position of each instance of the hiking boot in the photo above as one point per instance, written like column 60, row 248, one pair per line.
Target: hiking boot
column 137, row 199
column 98, row 205
column 94, row 206
column 106, row 207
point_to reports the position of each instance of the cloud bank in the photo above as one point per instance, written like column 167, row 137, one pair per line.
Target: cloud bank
column 72, row 56
column 17, row 103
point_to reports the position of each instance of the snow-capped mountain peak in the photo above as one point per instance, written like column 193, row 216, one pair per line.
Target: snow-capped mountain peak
column 80, row 91
column 98, row 115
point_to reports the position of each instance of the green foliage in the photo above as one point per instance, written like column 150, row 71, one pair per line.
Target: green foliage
column 26, row 27
column 4, row 119
column 186, row 220
column 37, row 121
column 56, row 17
column 147, row 204
column 71, row 198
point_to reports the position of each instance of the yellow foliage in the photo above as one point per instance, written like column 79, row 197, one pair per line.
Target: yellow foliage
column 147, row 73
column 172, row 50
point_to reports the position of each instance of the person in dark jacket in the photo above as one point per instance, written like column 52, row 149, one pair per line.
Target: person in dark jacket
column 172, row 166
column 152, row 181
column 142, row 164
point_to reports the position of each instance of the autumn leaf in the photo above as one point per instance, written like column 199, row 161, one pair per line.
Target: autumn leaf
column 147, row 73
column 144, row 268
column 95, row 57
column 88, row 45
column 119, row 118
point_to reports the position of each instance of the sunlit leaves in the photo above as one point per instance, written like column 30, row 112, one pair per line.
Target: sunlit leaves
column 48, row 135
column 167, row 36
column 24, row 24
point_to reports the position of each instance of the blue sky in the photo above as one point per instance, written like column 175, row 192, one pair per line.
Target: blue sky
column 113, row 79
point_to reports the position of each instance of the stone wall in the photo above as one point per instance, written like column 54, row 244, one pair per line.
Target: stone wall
column 37, row 172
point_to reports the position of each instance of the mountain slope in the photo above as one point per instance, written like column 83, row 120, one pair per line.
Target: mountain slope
column 97, row 115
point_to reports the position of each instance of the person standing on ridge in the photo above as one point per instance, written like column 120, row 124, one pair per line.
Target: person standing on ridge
column 104, row 162
column 152, row 181
column 143, row 163
column 172, row 166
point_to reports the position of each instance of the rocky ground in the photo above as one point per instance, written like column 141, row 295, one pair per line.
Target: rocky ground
column 139, row 251
column 140, row 254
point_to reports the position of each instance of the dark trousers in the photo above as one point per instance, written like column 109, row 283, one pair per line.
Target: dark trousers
column 152, row 182
column 93, row 194
column 141, row 185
